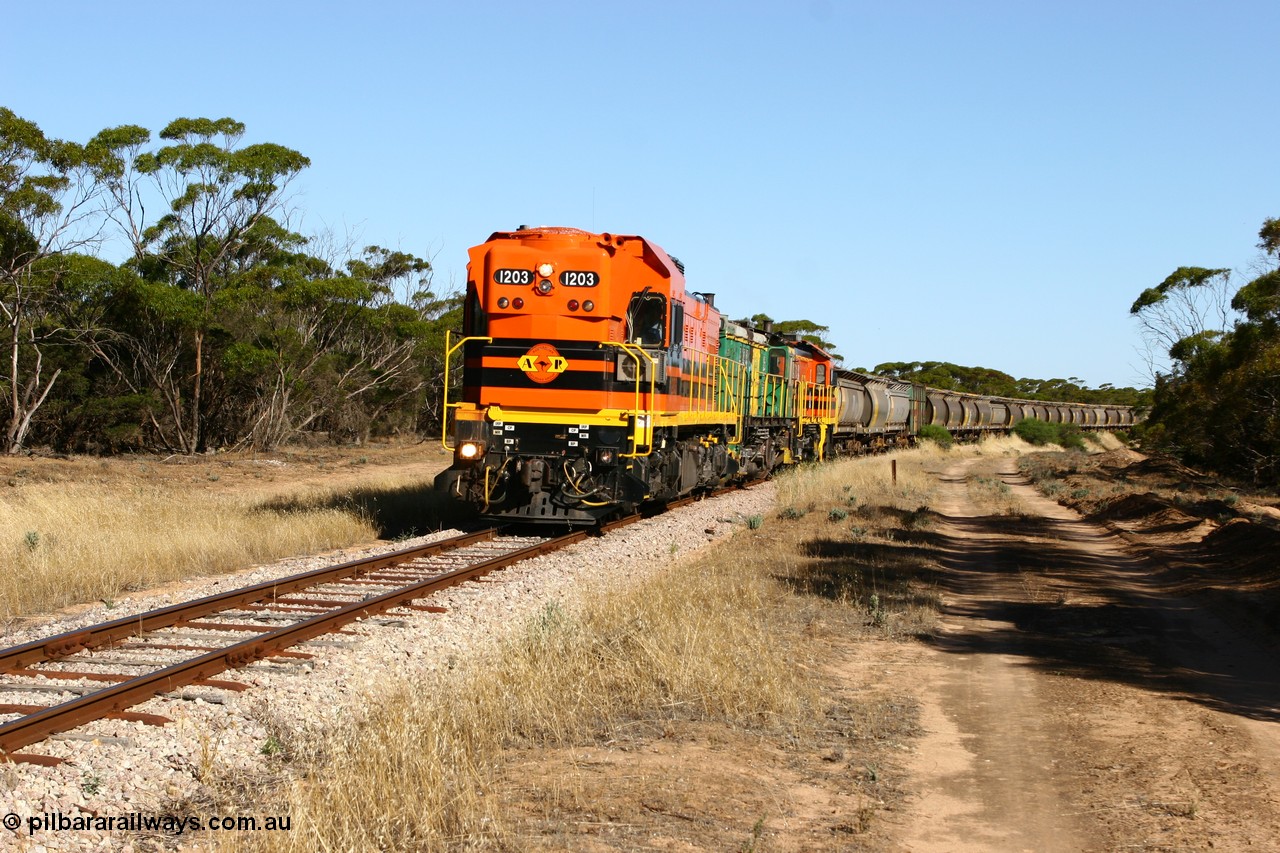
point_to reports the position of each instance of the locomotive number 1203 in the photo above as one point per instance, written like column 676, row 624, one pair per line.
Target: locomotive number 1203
column 576, row 278
column 513, row 277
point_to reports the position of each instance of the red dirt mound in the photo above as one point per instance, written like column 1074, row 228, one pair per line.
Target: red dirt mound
column 1130, row 507
column 1162, row 467
column 1250, row 549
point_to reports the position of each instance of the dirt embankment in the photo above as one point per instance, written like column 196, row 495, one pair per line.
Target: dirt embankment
column 1079, row 695
column 1203, row 539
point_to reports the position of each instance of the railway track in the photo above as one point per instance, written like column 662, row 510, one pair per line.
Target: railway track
column 108, row 668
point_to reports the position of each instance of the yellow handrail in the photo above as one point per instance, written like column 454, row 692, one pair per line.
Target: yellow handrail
column 444, row 408
column 732, row 387
column 646, row 429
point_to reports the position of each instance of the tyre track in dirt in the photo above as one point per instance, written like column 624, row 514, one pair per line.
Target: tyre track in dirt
column 1070, row 704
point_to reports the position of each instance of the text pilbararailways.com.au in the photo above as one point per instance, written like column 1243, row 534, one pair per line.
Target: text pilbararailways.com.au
column 139, row 822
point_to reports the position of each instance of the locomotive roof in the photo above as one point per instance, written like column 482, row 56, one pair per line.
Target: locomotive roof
column 796, row 339
column 652, row 254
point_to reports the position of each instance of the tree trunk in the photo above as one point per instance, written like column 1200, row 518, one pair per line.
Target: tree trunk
column 23, row 402
column 196, row 440
column 12, row 444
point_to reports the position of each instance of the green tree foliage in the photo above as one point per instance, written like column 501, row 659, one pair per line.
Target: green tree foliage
column 1038, row 432
column 939, row 435
column 224, row 327
column 1192, row 302
column 92, row 409
column 315, row 348
column 1259, row 300
column 807, row 329
column 951, row 377
column 45, row 205
column 810, row 331
column 1219, row 404
column 214, row 193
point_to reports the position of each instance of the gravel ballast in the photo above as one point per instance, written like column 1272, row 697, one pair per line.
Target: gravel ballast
column 115, row 768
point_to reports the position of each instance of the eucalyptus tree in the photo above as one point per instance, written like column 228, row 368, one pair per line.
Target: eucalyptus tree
column 211, row 192
column 1259, row 300
column 396, row 354
column 97, row 406
column 46, row 210
column 351, row 350
column 340, row 347
column 1220, row 404
column 1191, row 304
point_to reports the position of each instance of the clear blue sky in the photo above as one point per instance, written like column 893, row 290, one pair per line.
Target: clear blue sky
column 983, row 183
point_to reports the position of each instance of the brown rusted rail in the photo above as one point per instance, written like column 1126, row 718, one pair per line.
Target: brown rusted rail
column 116, row 699
column 37, row 726
column 59, row 718
column 82, row 639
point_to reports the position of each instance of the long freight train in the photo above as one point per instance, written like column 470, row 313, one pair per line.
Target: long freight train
column 594, row 381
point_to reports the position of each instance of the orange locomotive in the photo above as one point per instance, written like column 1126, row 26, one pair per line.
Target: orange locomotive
column 594, row 381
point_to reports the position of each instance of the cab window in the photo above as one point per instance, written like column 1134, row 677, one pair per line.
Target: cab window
column 778, row 362
column 647, row 318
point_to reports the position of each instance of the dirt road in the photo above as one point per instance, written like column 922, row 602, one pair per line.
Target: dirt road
column 1070, row 704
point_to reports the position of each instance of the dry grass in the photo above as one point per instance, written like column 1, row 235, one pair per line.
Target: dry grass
column 739, row 637
column 988, row 491
column 867, row 541
column 419, row 767
column 742, row 637
column 1107, row 440
column 864, row 481
column 67, row 543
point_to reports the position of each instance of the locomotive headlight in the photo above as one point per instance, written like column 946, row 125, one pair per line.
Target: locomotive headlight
column 470, row 450
column 544, row 286
column 604, row 455
column 503, row 302
column 588, row 306
column 545, row 270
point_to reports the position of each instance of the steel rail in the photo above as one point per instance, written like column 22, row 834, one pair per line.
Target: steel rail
column 93, row 706
column 116, row 699
column 62, row 645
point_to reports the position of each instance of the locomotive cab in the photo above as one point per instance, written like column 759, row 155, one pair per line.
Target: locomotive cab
column 584, row 360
